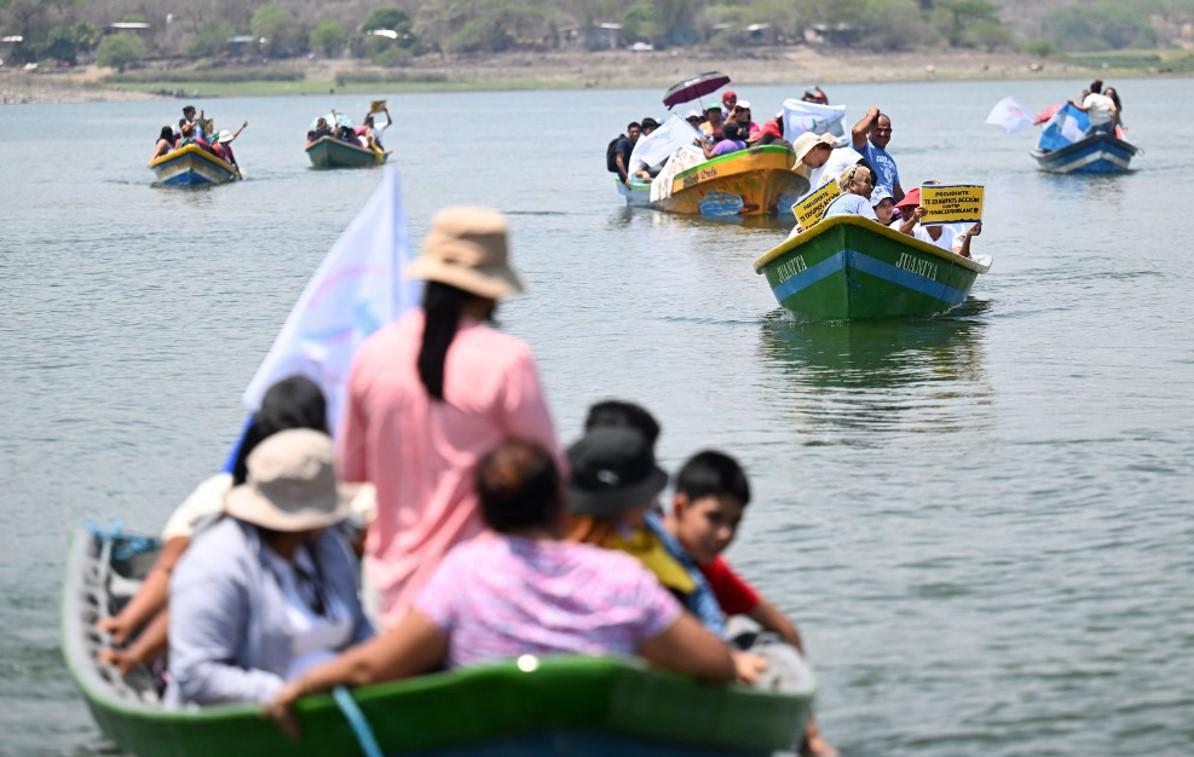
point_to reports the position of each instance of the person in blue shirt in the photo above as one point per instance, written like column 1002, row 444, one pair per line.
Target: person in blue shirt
column 871, row 136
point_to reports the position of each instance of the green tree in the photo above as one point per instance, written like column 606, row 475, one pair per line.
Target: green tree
column 210, row 39
column 388, row 17
column 284, row 34
column 954, row 17
column 60, row 45
column 120, row 51
column 328, row 37
column 1102, row 26
column 990, row 35
column 893, row 25
column 639, row 22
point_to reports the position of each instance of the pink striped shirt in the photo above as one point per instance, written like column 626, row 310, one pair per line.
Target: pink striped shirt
column 420, row 454
column 498, row 597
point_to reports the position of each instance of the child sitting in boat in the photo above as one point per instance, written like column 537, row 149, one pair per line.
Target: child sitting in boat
column 523, row 590
column 711, row 495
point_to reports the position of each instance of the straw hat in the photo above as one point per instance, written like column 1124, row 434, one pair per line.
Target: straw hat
column 467, row 248
column 291, row 484
column 807, row 141
column 224, row 136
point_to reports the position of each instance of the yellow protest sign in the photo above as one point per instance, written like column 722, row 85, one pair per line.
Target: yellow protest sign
column 377, row 106
column 809, row 210
column 957, row 203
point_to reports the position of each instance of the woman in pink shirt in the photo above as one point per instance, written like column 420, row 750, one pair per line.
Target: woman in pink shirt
column 524, row 590
column 431, row 393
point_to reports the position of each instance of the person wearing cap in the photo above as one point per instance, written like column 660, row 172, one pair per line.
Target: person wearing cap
column 729, row 99
column 947, row 236
column 816, row 95
column 741, row 114
column 870, row 136
column 523, row 590
column 882, row 205
column 271, row 589
column 818, row 156
column 771, row 132
column 694, row 118
column 428, row 395
column 223, row 143
column 855, row 200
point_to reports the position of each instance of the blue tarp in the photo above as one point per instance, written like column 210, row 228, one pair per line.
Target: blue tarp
column 1068, row 125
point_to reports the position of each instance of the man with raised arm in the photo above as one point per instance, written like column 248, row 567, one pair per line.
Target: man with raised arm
column 871, row 136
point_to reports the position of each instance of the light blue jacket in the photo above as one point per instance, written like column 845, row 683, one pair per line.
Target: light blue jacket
column 229, row 632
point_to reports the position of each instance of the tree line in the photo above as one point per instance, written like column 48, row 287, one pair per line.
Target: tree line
column 212, row 30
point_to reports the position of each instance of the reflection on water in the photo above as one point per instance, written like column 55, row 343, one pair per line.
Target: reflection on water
column 886, row 375
column 626, row 215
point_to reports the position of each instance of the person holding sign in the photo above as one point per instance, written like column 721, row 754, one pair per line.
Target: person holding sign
column 856, row 184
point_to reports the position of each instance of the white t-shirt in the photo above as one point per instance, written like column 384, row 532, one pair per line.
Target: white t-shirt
column 840, row 159
column 1099, row 108
column 949, row 234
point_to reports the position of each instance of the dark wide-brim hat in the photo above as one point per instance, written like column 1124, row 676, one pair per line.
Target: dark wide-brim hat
column 613, row 470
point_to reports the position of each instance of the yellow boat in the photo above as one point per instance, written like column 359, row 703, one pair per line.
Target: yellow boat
column 753, row 182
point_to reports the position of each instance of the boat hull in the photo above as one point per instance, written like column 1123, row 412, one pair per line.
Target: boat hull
column 753, row 182
column 850, row 268
column 329, row 152
column 192, row 166
column 553, row 705
column 637, row 195
column 1096, row 154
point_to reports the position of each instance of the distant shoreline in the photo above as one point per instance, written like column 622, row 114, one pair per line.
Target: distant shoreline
column 791, row 66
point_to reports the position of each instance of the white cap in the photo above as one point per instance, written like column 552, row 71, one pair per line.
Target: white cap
column 692, row 114
column 743, row 104
column 879, row 194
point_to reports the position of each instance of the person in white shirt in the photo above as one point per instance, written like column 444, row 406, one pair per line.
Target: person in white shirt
column 818, row 157
column 1100, row 108
column 954, row 237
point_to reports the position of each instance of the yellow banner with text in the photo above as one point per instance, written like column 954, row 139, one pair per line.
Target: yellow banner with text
column 956, row 203
column 809, row 210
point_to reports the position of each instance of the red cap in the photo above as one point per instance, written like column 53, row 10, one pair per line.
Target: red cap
column 725, row 96
column 912, row 199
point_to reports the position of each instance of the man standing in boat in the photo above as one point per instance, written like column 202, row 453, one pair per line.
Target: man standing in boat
column 871, row 136
column 622, row 149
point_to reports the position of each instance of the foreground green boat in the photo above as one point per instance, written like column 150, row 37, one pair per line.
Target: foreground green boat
column 329, row 152
column 563, row 705
column 848, row 267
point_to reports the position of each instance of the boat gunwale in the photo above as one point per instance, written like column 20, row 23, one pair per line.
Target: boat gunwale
column 1085, row 142
column 874, row 227
column 194, row 150
column 329, row 139
column 761, row 150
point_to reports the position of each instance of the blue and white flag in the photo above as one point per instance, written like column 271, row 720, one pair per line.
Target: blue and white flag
column 663, row 142
column 800, row 117
column 1009, row 115
column 1067, row 126
column 358, row 288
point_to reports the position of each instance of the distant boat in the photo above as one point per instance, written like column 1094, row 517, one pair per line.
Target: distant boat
column 1066, row 145
column 329, row 152
column 548, row 705
column 192, row 166
column 752, row 182
column 848, row 268
column 1097, row 154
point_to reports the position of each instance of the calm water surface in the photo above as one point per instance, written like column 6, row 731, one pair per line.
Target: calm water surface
column 981, row 522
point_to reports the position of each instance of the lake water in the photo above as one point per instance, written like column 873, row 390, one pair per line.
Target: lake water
column 981, row 522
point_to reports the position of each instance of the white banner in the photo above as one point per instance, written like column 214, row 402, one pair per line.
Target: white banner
column 357, row 289
column 800, row 117
column 662, row 143
column 1009, row 115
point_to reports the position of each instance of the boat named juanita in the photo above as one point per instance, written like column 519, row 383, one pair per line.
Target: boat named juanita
column 847, row 268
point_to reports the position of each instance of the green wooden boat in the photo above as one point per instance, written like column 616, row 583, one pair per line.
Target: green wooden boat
column 329, row 152
column 550, row 705
column 848, row 267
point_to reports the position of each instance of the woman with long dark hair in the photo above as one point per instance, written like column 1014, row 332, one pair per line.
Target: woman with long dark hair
column 428, row 395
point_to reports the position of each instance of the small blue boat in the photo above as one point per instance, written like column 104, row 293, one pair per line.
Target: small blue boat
column 192, row 166
column 1066, row 145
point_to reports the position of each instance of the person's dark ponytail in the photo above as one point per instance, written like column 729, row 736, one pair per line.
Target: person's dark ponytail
column 442, row 306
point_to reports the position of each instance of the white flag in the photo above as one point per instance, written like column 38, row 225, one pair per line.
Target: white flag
column 800, row 117
column 357, row 289
column 663, row 142
column 1009, row 115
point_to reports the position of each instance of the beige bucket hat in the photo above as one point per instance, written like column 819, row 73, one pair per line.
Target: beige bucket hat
column 291, row 484
column 807, row 141
column 468, row 248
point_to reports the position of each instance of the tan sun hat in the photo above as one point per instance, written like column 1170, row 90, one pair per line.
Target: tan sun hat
column 467, row 248
column 291, row 484
column 804, row 143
